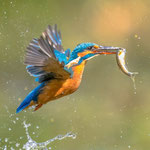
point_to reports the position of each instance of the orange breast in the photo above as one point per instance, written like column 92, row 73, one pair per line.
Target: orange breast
column 58, row 87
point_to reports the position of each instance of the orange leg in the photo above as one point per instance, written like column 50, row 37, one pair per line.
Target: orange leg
column 38, row 106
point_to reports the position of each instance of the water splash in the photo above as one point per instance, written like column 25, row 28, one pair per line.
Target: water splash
column 8, row 143
column 133, row 80
column 31, row 144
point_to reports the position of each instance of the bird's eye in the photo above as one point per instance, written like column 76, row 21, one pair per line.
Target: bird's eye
column 90, row 48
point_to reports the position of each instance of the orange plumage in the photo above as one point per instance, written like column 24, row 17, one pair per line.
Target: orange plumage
column 58, row 71
column 58, row 88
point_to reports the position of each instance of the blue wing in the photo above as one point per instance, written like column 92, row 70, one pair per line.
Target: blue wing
column 46, row 58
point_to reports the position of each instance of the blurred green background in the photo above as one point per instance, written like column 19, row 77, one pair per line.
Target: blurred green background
column 105, row 113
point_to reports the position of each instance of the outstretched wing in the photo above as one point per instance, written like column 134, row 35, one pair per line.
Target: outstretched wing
column 45, row 57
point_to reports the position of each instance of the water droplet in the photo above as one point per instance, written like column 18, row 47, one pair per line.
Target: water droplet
column 135, row 35
column 133, row 80
column 52, row 120
column 14, row 121
column 9, row 129
column 6, row 140
column 17, row 144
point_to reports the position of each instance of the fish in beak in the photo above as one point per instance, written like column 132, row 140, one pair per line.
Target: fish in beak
column 120, row 57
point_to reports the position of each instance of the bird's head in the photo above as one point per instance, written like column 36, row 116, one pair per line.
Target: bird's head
column 86, row 51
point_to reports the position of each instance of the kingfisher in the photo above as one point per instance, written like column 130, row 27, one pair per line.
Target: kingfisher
column 58, row 71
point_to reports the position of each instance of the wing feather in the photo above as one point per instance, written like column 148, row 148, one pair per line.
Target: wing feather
column 45, row 57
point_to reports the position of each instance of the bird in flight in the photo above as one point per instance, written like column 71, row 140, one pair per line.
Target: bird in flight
column 58, row 71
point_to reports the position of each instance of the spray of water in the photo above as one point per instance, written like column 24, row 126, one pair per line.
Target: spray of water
column 32, row 145
column 134, row 85
column 7, row 143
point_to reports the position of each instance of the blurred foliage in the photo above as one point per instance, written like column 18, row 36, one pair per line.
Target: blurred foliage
column 105, row 113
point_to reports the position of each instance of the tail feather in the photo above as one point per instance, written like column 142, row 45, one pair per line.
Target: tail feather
column 32, row 96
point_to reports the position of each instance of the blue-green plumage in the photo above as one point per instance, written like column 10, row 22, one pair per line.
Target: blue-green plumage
column 45, row 52
column 80, row 48
column 47, row 61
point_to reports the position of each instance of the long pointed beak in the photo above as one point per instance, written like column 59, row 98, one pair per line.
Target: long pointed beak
column 106, row 50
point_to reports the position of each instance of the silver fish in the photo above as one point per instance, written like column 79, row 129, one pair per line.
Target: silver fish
column 120, row 57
